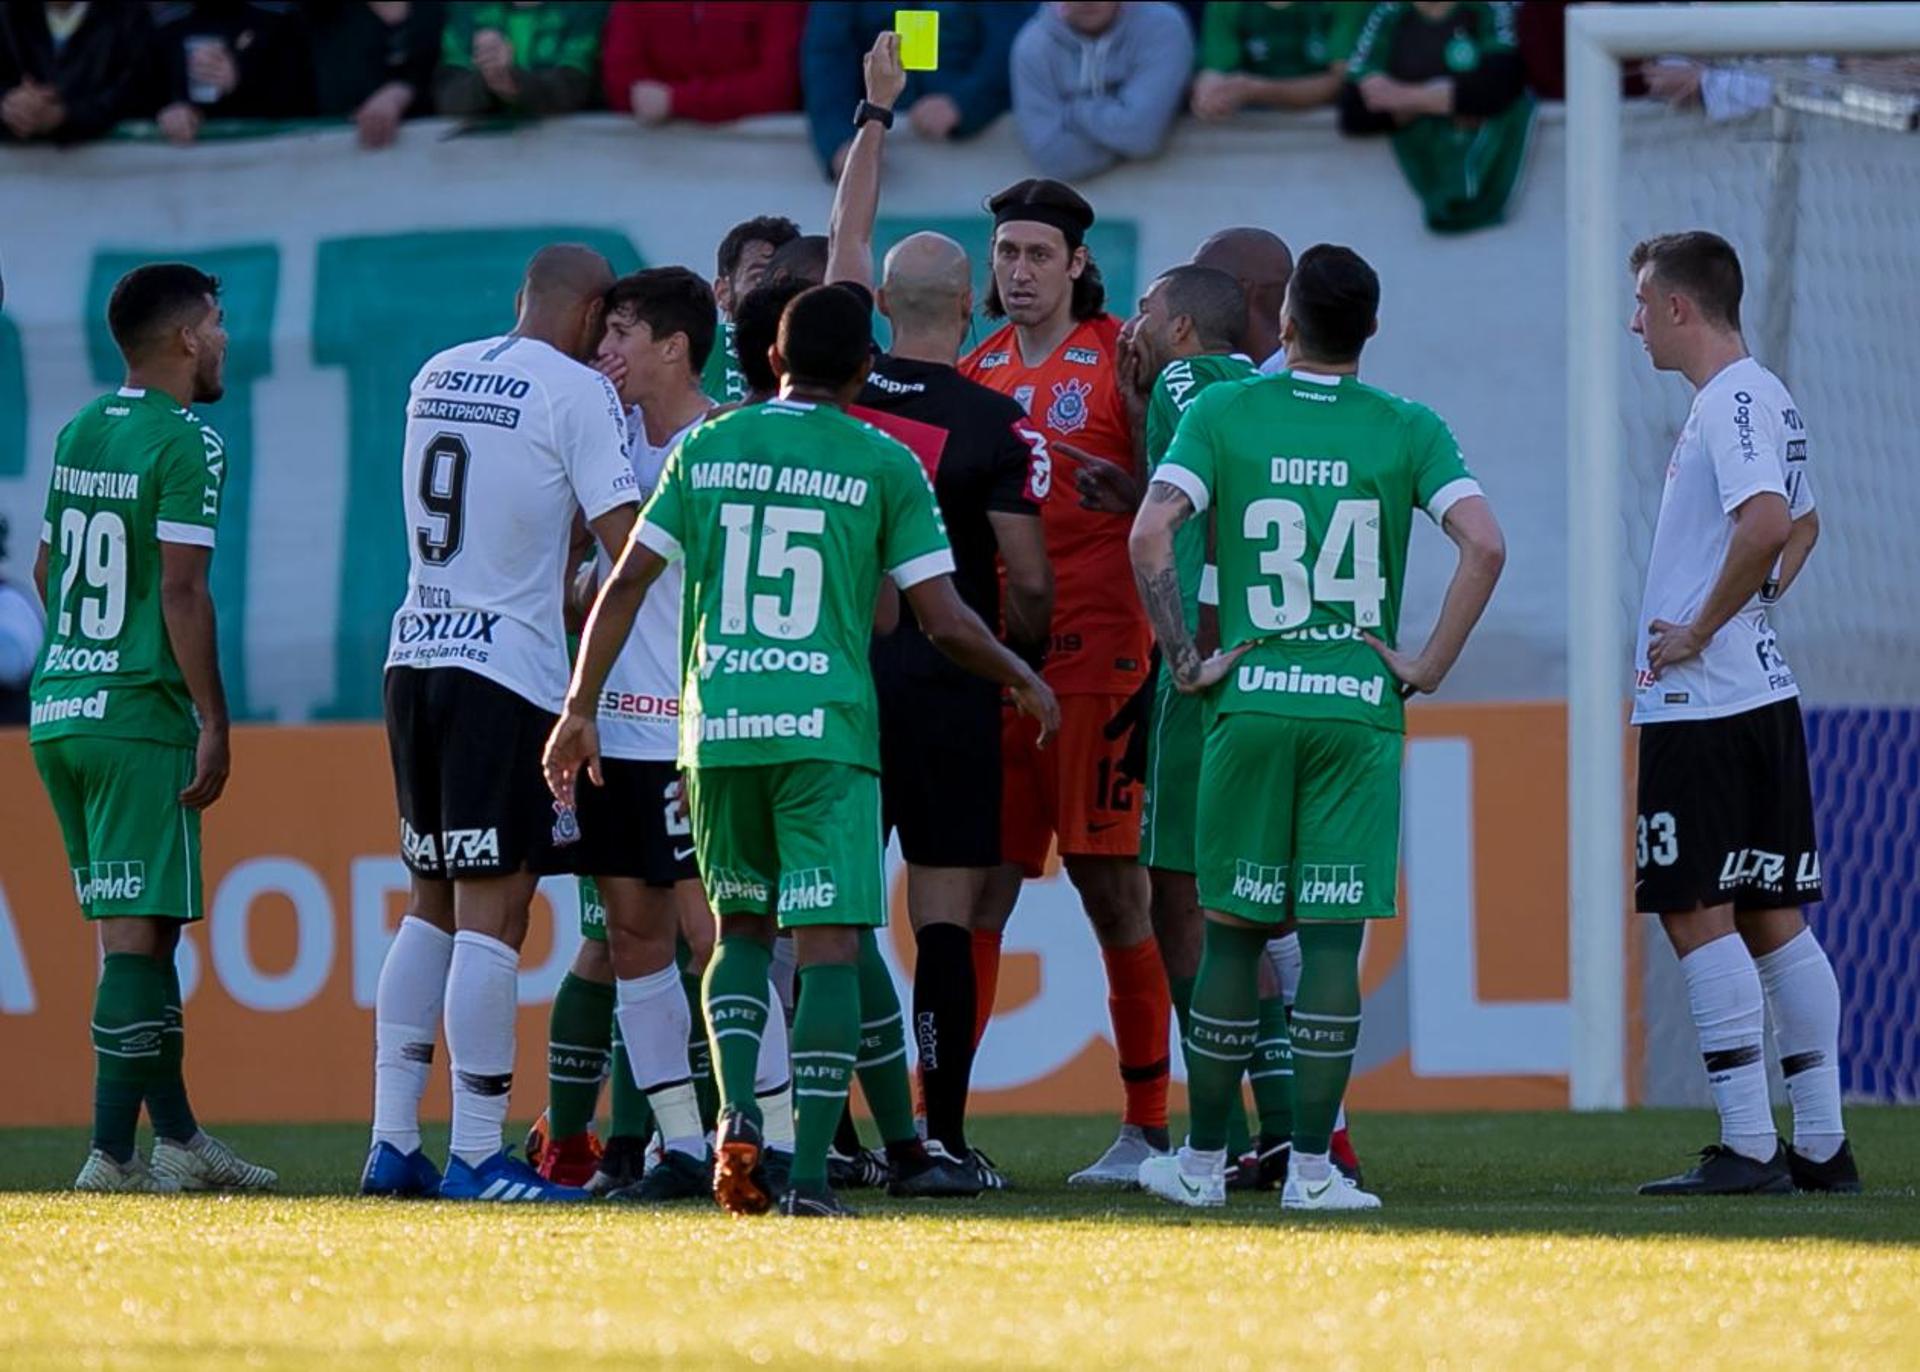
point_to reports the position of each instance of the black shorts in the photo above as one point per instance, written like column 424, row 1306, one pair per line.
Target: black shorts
column 466, row 772
column 940, row 769
column 632, row 824
column 1726, row 814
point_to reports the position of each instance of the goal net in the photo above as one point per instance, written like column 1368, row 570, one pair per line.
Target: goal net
column 1809, row 163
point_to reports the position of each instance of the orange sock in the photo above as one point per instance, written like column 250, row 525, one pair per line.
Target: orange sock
column 1140, row 1004
column 986, row 978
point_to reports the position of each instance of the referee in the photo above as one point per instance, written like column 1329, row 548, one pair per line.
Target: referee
column 1725, row 851
column 940, row 728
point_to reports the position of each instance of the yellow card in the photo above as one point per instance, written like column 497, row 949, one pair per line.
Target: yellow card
column 919, row 32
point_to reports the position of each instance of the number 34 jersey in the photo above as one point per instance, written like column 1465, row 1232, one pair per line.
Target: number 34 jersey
column 787, row 515
column 1313, row 481
column 132, row 471
column 505, row 437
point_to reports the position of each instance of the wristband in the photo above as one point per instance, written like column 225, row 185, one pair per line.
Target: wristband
column 879, row 114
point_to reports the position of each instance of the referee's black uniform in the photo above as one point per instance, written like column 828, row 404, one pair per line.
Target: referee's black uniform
column 939, row 725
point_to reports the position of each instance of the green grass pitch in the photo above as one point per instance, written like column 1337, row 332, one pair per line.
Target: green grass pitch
column 1507, row 1241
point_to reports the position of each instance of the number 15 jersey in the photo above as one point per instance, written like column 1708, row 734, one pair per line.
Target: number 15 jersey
column 787, row 515
column 1314, row 480
column 505, row 437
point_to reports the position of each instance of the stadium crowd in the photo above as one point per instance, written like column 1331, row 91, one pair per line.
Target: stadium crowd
column 1090, row 83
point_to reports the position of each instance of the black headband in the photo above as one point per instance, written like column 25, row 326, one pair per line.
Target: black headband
column 1071, row 223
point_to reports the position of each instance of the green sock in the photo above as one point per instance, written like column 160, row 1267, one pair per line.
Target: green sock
column 579, row 1033
column 167, row 1104
column 883, row 1048
column 700, row 1055
column 129, row 1021
column 736, row 1003
column 826, row 1038
column 1239, row 1138
column 1181, row 989
column 1226, row 998
column 1272, row 1070
column 1325, row 1029
column 632, row 1111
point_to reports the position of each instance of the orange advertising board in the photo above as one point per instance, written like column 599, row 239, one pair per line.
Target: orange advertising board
column 1466, row 993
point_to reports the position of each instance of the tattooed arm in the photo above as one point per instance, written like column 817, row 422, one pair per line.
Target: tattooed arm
column 1165, row 509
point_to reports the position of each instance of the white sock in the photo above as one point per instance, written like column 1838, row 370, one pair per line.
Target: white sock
column 1283, row 955
column 1723, row 991
column 482, row 1001
column 1804, row 996
column 784, row 968
column 773, row 1081
column 1310, row 1166
column 406, row 1021
column 1202, row 1162
column 655, row 1021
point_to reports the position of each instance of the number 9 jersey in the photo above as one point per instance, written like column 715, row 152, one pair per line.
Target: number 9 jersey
column 505, row 437
column 1313, row 481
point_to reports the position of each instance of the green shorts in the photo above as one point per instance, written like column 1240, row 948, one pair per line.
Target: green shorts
column 593, row 911
column 796, row 839
column 1171, row 797
column 1299, row 817
column 133, row 847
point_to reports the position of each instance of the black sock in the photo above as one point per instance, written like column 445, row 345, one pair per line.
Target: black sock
column 943, row 1010
column 846, row 1139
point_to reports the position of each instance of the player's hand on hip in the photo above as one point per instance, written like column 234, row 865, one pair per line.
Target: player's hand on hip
column 573, row 746
column 886, row 78
column 1035, row 699
column 211, row 764
column 1104, row 486
column 1670, row 644
column 1213, row 670
column 1415, row 676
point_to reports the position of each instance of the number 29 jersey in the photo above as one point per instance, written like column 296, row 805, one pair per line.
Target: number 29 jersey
column 131, row 472
column 1313, row 481
column 787, row 515
column 505, row 437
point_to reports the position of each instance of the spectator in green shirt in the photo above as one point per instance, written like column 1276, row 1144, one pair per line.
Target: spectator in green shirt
column 1273, row 55
column 526, row 57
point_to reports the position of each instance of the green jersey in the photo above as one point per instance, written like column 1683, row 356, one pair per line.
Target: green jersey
column 1313, row 481
column 1302, row 39
column 1177, row 387
column 131, row 471
column 721, row 378
column 787, row 515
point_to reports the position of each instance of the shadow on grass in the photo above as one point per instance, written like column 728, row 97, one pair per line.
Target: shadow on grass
column 1483, row 1174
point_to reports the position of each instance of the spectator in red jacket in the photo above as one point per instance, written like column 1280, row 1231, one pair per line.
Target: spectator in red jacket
column 713, row 61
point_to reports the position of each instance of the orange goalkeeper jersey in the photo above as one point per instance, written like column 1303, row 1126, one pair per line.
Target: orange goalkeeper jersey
column 1100, row 633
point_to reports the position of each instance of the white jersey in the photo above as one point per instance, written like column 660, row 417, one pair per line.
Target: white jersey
column 1744, row 436
column 640, row 704
column 505, row 438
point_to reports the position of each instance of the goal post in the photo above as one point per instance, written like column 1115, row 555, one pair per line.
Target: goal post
column 1598, row 39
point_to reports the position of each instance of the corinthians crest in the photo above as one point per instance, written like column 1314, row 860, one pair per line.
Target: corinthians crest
column 1068, row 412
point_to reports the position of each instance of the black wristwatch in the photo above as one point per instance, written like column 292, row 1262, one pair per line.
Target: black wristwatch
column 866, row 110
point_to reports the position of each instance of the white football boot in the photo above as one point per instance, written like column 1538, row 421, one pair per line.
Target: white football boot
column 132, row 1177
column 1120, row 1164
column 203, row 1163
column 1186, row 1178
column 1331, row 1191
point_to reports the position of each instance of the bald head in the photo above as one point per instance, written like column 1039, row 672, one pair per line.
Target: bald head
column 567, row 272
column 925, row 280
column 562, row 301
column 1263, row 264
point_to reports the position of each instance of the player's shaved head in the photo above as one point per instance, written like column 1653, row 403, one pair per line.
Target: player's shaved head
column 925, row 278
column 567, row 272
column 803, row 259
column 1211, row 298
column 563, row 300
column 1263, row 264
